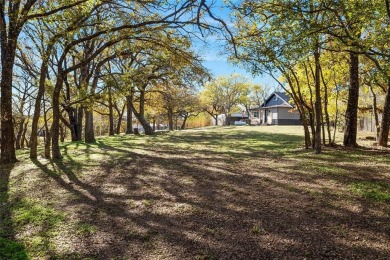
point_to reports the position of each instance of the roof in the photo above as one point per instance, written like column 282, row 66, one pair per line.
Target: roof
column 282, row 101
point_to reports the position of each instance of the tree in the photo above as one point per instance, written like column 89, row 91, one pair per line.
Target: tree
column 14, row 15
column 224, row 94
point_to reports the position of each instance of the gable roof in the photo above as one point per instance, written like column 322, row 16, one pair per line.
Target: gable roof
column 282, row 100
column 278, row 99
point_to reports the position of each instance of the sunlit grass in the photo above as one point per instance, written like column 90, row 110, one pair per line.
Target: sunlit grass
column 51, row 200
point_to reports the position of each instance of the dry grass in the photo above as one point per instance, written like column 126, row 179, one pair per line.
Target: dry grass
column 213, row 193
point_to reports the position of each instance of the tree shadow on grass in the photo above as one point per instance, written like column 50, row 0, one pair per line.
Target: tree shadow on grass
column 9, row 248
column 215, row 210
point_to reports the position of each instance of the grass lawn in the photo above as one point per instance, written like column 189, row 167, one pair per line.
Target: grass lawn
column 213, row 193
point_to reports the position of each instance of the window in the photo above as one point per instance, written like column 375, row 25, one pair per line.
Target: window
column 255, row 114
column 276, row 98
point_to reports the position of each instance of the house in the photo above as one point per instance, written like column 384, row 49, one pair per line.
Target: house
column 232, row 119
column 276, row 110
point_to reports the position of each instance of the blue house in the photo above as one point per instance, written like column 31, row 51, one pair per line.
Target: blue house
column 276, row 110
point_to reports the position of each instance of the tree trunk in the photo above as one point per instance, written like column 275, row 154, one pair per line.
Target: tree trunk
column 62, row 133
column 323, row 129
column 75, row 115
column 318, row 106
column 111, row 113
column 336, row 114
column 8, row 154
column 352, row 105
column 118, row 125
column 89, row 128
column 20, row 133
column 183, row 125
column 79, row 123
column 307, row 135
column 384, row 131
column 170, row 118
column 129, row 119
column 37, row 109
column 375, row 112
column 47, row 144
column 55, row 129
column 22, row 142
column 326, row 112
column 145, row 124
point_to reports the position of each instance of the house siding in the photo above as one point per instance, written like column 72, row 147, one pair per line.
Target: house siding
column 276, row 111
column 288, row 113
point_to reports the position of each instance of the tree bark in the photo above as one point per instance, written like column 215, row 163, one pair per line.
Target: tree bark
column 118, row 125
column 23, row 141
column 350, row 131
column 75, row 115
column 145, row 124
column 170, row 118
column 47, row 144
column 384, row 132
column 89, row 128
column 375, row 112
column 8, row 154
column 111, row 113
column 62, row 133
column 20, row 133
column 129, row 119
column 37, row 108
column 326, row 112
column 55, row 129
column 183, row 125
column 318, row 106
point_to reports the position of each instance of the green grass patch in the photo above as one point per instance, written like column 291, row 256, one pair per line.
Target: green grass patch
column 85, row 229
column 34, row 212
column 12, row 250
column 376, row 191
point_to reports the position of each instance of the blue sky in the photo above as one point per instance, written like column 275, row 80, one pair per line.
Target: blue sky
column 214, row 56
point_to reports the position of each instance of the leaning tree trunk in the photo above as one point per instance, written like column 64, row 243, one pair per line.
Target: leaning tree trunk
column 183, row 125
column 384, row 132
column 141, row 114
column 352, row 105
column 145, row 124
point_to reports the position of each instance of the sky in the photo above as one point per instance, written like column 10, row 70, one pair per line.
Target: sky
column 216, row 61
